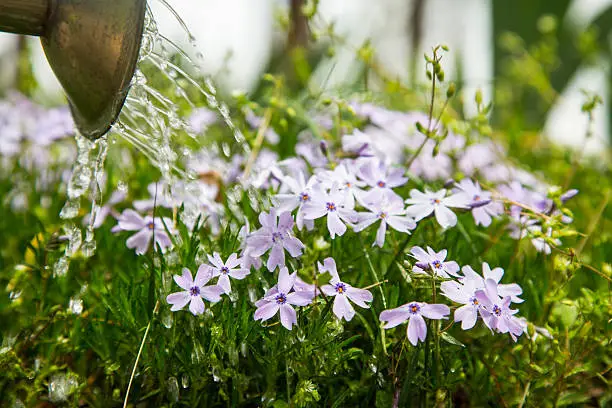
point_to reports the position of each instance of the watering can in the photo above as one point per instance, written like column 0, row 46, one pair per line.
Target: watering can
column 92, row 47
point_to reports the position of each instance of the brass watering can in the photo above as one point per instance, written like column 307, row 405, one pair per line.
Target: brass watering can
column 92, row 46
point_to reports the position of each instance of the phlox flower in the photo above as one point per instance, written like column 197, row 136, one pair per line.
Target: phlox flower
column 496, row 312
column 414, row 312
column 388, row 209
column 275, row 234
column 343, row 292
column 194, row 291
column 280, row 298
column 333, row 205
column 147, row 228
column 300, row 194
column 483, row 207
column 434, row 261
column 380, row 178
column 464, row 292
column 424, row 204
column 344, row 175
column 247, row 261
column 377, row 175
column 226, row 270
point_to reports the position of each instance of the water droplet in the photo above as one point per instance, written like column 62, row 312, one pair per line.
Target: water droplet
column 61, row 267
column 75, row 306
column 13, row 296
column 61, row 386
column 173, row 389
column 167, row 319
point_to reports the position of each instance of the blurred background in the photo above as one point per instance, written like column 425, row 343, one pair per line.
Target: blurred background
column 555, row 50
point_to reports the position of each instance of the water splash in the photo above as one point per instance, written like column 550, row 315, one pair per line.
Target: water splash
column 149, row 120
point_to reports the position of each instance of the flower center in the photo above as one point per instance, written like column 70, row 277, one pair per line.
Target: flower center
column 381, row 184
column 331, row 207
column 474, row 301
column 151, row 226
column 414, row 308
column 497, row 310
column 437, row 264
column 476, row 197
column 281, row 299
column 382, row 215
column 340, row 287
column 194, row 291
column 435, row 201
column 277, row 236
column 348, row 184
column 304, row 197
column 225, row 270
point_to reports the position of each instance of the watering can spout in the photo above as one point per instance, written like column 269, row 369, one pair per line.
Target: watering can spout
column 92, row 47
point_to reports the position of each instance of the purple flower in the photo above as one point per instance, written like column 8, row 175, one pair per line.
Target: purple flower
column 194, row 291
column 423, row 204
column 464, row 292
column 147, row 227
column 227, row 270
column 301, row 193
column 342, row 292
column 388, row 210
column 433, row 261
column 333, row 205
column 414, row 313
column 344, row 176
column 275, row 233
column 248, row 261
column 496, row 312
column 483, row 208
column 376, row 175
column 280, row 298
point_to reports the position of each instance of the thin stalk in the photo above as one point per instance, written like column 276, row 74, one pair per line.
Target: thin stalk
column 142, row 343
column 261, row 132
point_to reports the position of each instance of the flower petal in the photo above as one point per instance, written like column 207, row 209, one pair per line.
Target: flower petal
column 445, row 217
column 140, row 241
column 205, row 273
column 394, row 317
column 196, row 306
column 300, row 298
column 185, row 281
column 287, row 316
column 266, row 311
column 224, row 283
column 435, row 311
column 285, row 280
column 359, row 296
column 211, row 293
column 342, row 308
column 276, row 258
column 178, row 300
column 335, row 225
